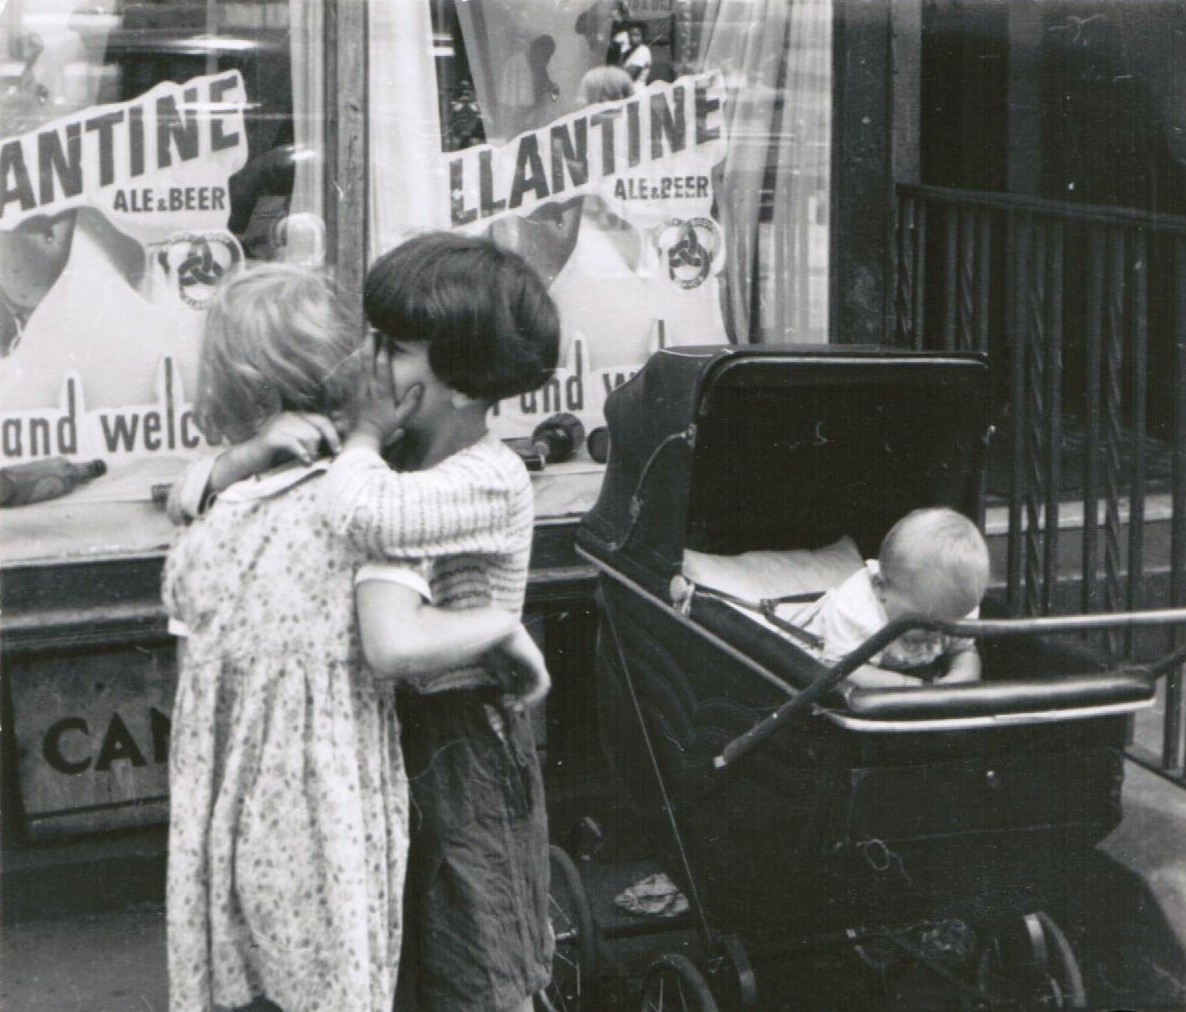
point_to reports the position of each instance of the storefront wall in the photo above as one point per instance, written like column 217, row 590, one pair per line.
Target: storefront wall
column 149, row 150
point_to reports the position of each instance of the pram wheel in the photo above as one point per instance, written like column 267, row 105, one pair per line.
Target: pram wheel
column 572, row 927
column 673, row 984
column 1028, row 964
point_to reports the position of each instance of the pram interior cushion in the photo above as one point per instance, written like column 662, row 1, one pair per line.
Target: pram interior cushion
column 758, row 575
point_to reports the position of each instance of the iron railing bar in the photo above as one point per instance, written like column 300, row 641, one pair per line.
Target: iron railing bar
column 1017, row 256
column 951, row 219
column 1139, row 335
column 920, row 276
column 967, row 265
column 783, row 291
column 907, row 265
column 1114, row 305
column 1034, row 338
column 983, row 256
column 802, row 255
column 1053, row 440
column 1091, row 397
column 1094, row 213
column 1175, row 703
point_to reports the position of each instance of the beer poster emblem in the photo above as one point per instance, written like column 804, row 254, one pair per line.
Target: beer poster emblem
column 688, row 248
column 197, row 261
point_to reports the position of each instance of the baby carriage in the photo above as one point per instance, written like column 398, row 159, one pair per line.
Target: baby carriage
column 927, row 833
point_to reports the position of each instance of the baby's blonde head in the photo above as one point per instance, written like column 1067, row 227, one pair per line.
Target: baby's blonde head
column 937, row 560
column 277, row 338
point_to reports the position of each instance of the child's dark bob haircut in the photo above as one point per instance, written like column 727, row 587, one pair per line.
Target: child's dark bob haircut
column 492, row 328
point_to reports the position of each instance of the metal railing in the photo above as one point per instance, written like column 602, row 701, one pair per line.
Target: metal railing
column 1083, row 309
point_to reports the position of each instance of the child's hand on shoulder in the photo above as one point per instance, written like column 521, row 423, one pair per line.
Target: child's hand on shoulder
column 299, row 434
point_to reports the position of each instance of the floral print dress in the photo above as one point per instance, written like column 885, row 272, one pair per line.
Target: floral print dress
column 289, row 812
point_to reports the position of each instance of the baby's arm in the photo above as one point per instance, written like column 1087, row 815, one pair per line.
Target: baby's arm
column 869, row 676
column 963, row 663
column 407, row 639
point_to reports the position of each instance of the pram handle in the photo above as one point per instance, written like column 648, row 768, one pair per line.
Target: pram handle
column 969, row 628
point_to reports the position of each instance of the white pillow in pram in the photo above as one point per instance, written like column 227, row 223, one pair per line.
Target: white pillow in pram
column 754, row 576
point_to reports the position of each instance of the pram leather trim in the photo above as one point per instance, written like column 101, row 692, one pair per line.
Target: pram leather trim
column 990, row 720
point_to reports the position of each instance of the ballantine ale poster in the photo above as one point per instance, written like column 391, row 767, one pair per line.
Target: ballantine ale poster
column 604, row 180
column 113, row 235
column 613, row 206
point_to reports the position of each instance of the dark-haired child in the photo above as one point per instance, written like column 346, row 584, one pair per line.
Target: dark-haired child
column 469, row 324
column 289, row 807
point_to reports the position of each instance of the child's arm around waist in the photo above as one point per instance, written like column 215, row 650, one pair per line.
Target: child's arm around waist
column 407, row 639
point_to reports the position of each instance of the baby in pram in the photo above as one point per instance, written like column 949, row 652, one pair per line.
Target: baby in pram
column 934, row 563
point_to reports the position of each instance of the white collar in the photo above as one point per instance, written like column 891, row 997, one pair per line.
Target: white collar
column 274, row 482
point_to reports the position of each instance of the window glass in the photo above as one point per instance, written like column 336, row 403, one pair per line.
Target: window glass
column 664, row 164
column 146, row 149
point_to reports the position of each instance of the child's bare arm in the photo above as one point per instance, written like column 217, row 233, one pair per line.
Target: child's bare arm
column 404, row 636
column 408, row 640
column 300, row 435
column 868, row 676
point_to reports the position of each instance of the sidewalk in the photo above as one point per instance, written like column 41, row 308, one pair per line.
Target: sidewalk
column 113, row 960
column 100, row 962
column 1136, row 906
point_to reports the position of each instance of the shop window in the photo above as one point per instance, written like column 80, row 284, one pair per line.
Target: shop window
column 664, row 164
column 147, row 148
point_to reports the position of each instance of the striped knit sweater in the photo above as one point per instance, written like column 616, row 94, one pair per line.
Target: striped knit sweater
column 468, row 521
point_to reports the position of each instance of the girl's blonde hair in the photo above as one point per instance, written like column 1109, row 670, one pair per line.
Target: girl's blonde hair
column 277, row 338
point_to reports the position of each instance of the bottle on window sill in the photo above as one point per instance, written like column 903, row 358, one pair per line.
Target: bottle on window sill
column 556, row 439
column 39, row 480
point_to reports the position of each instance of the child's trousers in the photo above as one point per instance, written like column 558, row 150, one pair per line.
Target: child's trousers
column 476, row 931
